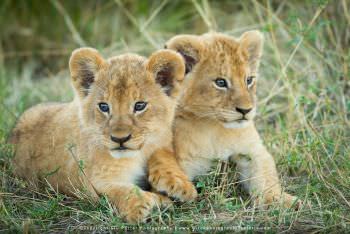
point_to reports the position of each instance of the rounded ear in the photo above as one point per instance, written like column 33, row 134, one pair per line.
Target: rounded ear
column 189, row 46
column 251, row 44
column 84, row 64
column 168, row 69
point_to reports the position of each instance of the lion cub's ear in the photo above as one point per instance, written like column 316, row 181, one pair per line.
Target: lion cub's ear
column 84, row 64
column 168, row 70
column 251, row 44
column 189, row 46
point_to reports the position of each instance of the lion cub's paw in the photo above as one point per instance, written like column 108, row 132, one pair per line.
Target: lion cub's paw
column 139, row 205
column 290, row 201
column 286, row 200
column 174, row 184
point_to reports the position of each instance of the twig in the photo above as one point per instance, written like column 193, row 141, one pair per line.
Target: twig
column 29, row 53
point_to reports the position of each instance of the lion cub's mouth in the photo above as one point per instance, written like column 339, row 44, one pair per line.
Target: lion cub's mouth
column 120, row 148
column 241, row 120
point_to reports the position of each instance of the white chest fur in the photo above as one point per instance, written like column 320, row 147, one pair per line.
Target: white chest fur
column 216, row 143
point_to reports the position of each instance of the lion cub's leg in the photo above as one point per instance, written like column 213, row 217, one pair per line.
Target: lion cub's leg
column 133, row 204
column 165, row 175
column 259, row 176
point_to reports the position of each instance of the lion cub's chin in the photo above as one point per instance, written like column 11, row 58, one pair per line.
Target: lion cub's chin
column 125, row 153
column 237, row 124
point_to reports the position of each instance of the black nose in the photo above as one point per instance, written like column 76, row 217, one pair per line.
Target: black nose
column 121, row 140
column 243, row 111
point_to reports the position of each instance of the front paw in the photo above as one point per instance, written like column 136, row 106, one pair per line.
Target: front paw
column 138, row 205
column 290, row 202
column 286, row 200
column 174, row 184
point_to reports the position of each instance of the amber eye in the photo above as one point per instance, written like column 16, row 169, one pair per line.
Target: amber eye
column 221, row 83
column 103, row 107
column 250, row 80
column 140, row 106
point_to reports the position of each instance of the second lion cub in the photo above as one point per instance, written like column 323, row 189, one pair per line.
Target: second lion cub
column 214, row 119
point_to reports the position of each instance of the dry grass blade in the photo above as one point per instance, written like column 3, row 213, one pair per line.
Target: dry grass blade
column 78, row 39
column 137, row 25
column 205, row 13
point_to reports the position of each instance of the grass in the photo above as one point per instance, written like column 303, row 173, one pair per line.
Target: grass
column 304, row 106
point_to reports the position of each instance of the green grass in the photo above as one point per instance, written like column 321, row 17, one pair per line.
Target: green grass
column 304, row 106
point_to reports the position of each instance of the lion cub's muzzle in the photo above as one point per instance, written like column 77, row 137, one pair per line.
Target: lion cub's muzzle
column 121, row 141
column 125, row 145
column 240, row 119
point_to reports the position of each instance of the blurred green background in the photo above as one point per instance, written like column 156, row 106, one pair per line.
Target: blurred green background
column 303, row 115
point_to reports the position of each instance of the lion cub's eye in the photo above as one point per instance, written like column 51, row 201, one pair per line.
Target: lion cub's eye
column 140, row 106
column 250, row 80
column 103, row 107
column 221, row 83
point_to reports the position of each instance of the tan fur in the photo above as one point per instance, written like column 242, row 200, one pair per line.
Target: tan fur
column 207, row 124
column 69, row 144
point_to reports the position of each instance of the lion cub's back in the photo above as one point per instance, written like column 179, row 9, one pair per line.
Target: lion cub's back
column 31, row 136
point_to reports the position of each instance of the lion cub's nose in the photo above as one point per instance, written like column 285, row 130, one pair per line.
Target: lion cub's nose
column 243, row 111
column 121, row 140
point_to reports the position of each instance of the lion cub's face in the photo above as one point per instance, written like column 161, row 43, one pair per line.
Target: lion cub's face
column 127, row 102
column 221, row 76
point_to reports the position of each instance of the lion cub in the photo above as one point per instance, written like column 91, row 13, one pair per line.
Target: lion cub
column 121, row 114
column 214, row 119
